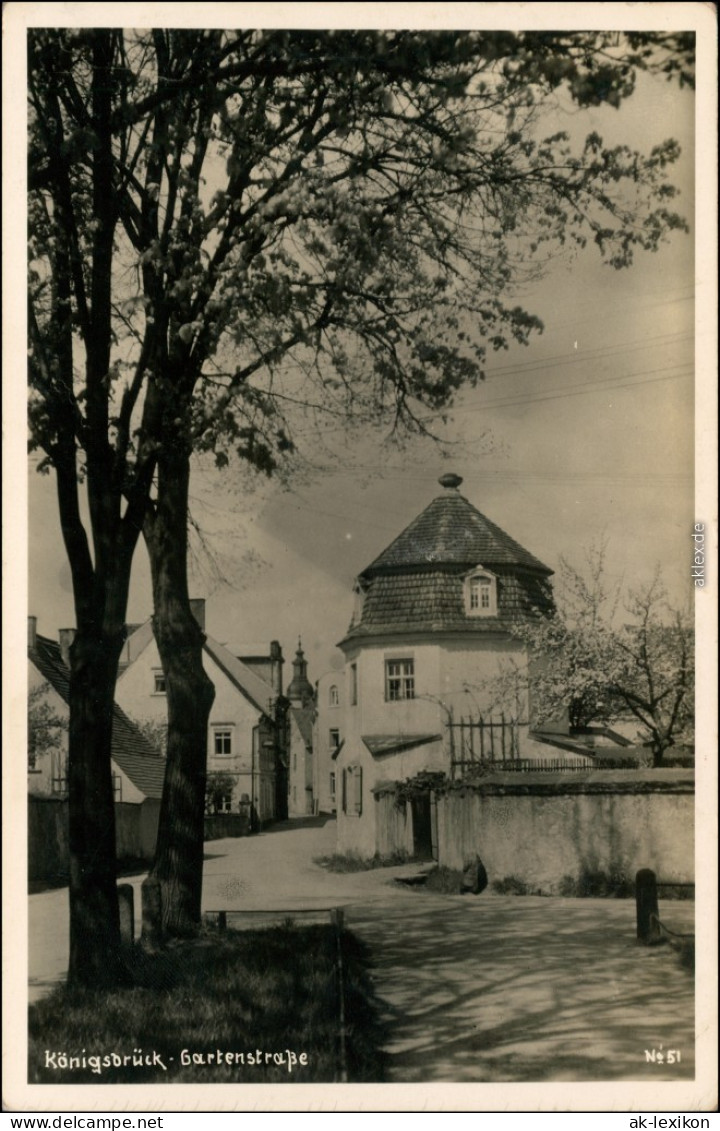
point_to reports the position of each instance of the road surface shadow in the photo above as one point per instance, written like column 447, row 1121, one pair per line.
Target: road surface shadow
column 513, row 989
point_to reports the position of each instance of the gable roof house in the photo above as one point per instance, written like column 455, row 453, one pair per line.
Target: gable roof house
column 138, row 770
column 429, row 634
column 246, row 731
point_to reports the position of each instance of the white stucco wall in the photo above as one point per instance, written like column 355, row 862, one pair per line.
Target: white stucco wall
column 443, row 668
column 300, row 773
column 328, row 717
column 252, row 772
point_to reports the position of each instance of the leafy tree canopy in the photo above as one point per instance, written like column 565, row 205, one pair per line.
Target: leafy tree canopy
column 331, row 220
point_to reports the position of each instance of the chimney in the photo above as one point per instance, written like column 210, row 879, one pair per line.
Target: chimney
column 197, row 608
column 66, row 637
column 32, row 632
column 276, row 667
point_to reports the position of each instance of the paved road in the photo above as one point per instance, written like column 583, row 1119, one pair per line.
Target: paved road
column 270, row 872
column 482, row 988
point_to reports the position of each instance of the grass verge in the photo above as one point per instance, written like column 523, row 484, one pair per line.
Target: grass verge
column 223, row 1008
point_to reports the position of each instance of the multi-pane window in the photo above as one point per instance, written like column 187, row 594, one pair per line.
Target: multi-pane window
column 399, row 679
column 159, row 683
column 334, row 696
column 332, row 785
column 481, row 597
column 222, row 740
column 480, row 593
column 334, row 738
column 117, row 787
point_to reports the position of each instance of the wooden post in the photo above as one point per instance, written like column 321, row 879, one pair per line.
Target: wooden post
column 126, row 904
column 482, row 739
column 647, row 907
column 502, row 734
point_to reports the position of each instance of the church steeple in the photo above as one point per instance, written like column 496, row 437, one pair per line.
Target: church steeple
column 300, row 691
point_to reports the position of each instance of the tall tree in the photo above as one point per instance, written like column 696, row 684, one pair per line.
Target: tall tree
column 331, row 221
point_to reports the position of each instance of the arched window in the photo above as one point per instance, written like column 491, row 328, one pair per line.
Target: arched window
column 334, row 696
column 481, row 594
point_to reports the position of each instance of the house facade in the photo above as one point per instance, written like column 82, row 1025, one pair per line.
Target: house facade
column 429, row 635
column 328, row 735
column 301, row 697
column 246, row 751
column 138, row 770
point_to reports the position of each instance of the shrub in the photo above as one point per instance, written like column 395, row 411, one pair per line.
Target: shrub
column 448, row 881
column 598, row 885
column 510, row 885
column 353, row 862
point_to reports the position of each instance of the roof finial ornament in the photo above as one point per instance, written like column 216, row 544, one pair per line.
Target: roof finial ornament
column 450, row 481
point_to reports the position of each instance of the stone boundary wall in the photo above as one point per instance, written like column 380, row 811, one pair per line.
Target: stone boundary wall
column 48, row 851
column 542, row 829
column 221, row 825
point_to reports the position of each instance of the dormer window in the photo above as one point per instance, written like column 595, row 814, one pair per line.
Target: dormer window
column 481, row 594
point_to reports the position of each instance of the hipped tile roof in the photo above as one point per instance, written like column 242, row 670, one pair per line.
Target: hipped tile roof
column 416, row 584
column 451, row 531
column 434, row 602
column 130, row 750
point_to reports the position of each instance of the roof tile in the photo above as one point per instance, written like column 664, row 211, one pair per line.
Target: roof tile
column 131, row 750
column 452, row 531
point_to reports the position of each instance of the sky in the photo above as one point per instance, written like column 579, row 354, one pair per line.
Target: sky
column 586, row 433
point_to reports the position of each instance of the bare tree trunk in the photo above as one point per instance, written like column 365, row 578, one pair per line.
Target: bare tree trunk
column 95, row 957
column 177, row 867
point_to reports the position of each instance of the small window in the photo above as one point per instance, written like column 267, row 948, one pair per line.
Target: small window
column 224, row 803
column 117, row 787
column 222, row 741
column 481, row 595
column 353, row 685
column 59, row 785
column 334, row 696
column 332, row 786
column 399, row 679
column 159, row 683
column 334, row 738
